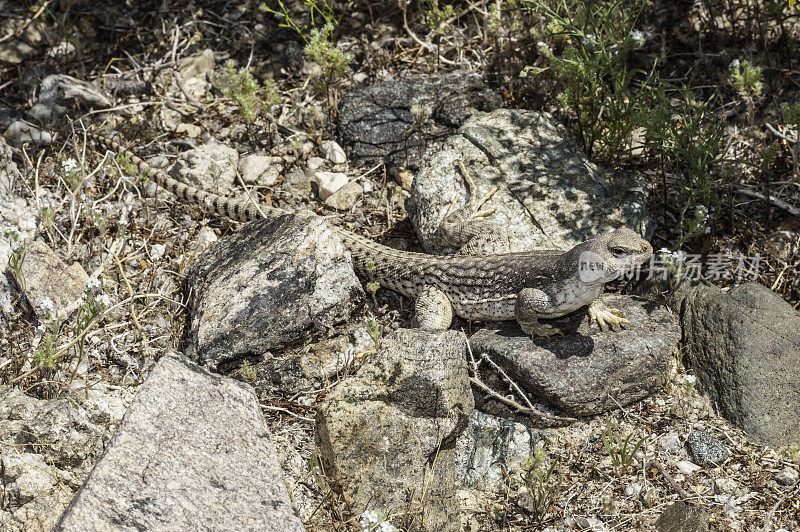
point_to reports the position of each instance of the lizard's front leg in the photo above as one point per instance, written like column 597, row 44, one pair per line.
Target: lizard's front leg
column 433, row 309
column 531, row 302
column 606, row 317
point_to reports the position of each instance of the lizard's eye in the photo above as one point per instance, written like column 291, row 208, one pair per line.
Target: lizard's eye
column 617, row 251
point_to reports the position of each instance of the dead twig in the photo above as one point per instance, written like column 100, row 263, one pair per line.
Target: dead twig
column 791, row 209
column 671, row 481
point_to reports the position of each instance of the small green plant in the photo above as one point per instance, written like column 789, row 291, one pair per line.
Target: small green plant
column 375, row 331
column 17, row 257
column 319, row 12
column 72, row 174
column 696, row 225
column 372, row 286
column 320, row 37
column 46, row 354
column 748, row 81
column 100, row 221
column 686, row 134
column 688, row 383
column 542, row 481
column 94, row 303
column 794, row 451
column 322, row 49
column 672, row 264
column 437, row 16
column 620, row 451
column 592, row 72
column 248, row 371
column 122, row 228
column 125, row 164
column 245, row 91
column 129, row 171
column 46, row 214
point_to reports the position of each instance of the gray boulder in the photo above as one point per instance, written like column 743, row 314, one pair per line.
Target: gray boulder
column 387, row 434
column 397, row 121
column 588, row 371
column 192, row 453
column 744, row 347
column 267, row 285
column 550, row 195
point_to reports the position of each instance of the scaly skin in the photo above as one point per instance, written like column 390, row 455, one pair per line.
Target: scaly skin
column 479, row 283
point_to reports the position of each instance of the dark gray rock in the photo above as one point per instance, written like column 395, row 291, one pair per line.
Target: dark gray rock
column 588, row 371
column 192, row 453
column 705, row 450
column 61, row 94
column 490, row 448
column 550, row 195
column 389, row 431
column 680, row 517
column 267, row 285
column 397, row 121
column 744, row 347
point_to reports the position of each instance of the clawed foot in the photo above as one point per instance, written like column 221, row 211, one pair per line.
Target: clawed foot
column 607, row 317
column 475, row 204
column 543, row 330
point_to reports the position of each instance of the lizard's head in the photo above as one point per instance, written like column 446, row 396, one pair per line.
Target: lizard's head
column 611, row 255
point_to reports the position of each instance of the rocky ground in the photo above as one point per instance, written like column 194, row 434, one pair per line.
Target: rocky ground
column 687, row 421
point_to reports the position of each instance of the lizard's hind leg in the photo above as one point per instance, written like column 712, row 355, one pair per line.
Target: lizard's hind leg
column 466, row 228
column 433, row 309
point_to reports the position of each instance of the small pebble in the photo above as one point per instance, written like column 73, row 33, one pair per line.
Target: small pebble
column 315, row 163
column 787, row 477
column 329, row 182
column 686, row 467
column 334, row 152
column 706, row 450
column 671, row 444
column 633, row 489
column 724, row 486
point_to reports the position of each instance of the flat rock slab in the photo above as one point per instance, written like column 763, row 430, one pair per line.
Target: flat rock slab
column 588, row 371
column 744, row 347
column 396, row 121
column 269, row 284
column 551, row 196
column 192, row 453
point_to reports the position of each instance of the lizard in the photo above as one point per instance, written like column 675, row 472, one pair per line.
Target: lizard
column 481, row 281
